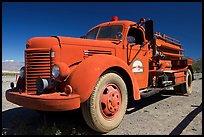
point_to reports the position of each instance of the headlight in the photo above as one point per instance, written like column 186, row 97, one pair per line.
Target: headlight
column 55, row 71
column 60, row 70
column 22, row 72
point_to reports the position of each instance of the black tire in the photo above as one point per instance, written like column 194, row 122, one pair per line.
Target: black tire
column 106, row 107
column 185, row 88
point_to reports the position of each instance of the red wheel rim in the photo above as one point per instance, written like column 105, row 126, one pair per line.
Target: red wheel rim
column 110, row 101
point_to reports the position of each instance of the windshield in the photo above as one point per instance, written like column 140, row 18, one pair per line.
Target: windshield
column 92, row 34
column 106, row 32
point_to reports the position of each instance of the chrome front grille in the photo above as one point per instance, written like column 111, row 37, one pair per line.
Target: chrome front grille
column 38, row 64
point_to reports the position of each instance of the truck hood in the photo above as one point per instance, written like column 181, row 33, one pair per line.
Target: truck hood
column 42, row 42
column 48, row 42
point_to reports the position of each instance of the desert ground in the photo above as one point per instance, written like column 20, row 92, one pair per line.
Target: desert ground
column 161, row 114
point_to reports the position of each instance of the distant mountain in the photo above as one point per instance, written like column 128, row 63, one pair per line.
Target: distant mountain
column 12, row 65
column 186, row 57
column 8, row 61
column 197, row 65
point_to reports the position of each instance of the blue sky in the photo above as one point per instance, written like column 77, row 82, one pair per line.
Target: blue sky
column 23, row 20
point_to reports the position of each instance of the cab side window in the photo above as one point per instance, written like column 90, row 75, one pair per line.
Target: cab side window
column 137, row 34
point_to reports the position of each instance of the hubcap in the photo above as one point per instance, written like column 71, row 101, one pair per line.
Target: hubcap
column 110, row 101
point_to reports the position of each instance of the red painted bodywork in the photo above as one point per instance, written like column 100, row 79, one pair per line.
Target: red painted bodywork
column 87, row 60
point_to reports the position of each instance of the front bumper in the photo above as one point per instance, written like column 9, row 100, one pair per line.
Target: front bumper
column 57, row 101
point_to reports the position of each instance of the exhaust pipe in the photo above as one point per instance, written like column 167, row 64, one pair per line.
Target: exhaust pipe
column 42, row 84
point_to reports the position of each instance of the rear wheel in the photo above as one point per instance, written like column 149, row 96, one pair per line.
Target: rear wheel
column 185, row 88
column 106, row 107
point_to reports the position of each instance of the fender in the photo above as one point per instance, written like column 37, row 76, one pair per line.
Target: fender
column 85, row 75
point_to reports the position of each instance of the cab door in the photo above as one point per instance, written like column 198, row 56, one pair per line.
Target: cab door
column 137, row 56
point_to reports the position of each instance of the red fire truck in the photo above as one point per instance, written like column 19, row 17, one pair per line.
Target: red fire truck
column 100, row 71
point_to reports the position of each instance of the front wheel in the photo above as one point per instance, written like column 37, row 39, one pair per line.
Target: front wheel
column 106, row 107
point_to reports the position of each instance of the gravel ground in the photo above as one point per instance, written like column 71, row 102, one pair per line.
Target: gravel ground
column 161, row 114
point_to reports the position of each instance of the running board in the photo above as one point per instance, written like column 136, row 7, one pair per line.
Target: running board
column 149, row 92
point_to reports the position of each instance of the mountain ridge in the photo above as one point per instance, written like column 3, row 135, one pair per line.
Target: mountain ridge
column 12, row 66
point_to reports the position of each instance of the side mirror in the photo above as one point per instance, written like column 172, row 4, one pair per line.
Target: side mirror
column 149, row 31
